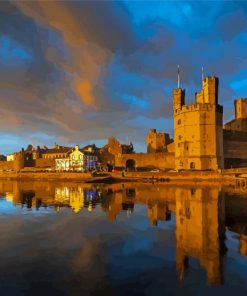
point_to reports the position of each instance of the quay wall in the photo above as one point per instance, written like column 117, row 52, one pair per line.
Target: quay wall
column 181, row 177
column 6, row 165
column 176, row 175
column 48, row 176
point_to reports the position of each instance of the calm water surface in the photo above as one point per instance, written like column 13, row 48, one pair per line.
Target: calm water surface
column 124, row 239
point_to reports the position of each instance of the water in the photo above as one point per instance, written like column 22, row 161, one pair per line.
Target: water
column 124, row 239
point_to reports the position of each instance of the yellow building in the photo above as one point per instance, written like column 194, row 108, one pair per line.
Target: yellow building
column 198, row 132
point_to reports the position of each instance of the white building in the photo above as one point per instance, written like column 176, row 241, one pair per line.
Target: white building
column 77, row 160
column 10, row 157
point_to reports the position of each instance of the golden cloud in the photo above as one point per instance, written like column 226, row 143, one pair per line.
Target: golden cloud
column 87, row 59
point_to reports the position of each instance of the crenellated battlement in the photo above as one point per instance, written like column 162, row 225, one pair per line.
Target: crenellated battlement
column 198, row 107
column 210, row 78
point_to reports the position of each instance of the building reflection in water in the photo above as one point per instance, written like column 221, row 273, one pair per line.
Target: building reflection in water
column 158, row 212
column 200, row 222
column 200, row 214
column 200, row 231
column 53, row 195
column 117, row 199
column 76, row 198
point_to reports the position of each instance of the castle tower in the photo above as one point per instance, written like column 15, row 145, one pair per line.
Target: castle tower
column 198, row 132
column 19, row 160
column 210, row 90
column 240, row 108
column 178, row 98
column 157, row 142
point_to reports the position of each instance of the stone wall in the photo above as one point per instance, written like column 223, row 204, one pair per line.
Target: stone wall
column 45, row 163
column 141, row 160
column 6, row 165
column 235, row 148
column 17, row 164
column 239, row 124
column 48, row 176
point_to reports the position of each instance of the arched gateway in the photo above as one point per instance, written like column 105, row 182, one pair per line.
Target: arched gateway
column 130, row 165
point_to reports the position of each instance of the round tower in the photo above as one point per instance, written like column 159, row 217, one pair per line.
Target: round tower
column 19, row 161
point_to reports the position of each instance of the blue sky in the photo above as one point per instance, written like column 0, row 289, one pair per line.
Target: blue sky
column 80, row 72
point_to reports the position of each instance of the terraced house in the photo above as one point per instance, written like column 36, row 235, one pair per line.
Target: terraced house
column 77, row 160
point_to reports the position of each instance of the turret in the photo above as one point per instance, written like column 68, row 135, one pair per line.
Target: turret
column 19, row 160
column 210, row 90
column 178, row 98
column 178, row 95
column 240, row 108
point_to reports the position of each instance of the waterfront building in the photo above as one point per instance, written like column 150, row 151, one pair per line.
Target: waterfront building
column 198, row 132
column 108, row 153
column 3, row 157
column 56, row 152
column 10, row 157
column 77, row 160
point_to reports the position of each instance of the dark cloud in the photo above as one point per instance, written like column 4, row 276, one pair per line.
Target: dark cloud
column 231, row 24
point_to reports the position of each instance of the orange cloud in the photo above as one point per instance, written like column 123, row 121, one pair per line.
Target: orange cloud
column 87, row 59
column 84, row 90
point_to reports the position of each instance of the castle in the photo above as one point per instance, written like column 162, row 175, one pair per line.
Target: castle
column 200, row 139
column 198, row 131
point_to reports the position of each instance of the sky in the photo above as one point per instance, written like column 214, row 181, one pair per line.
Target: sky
column 80, row 72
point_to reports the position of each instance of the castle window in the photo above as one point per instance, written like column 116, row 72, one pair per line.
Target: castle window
column 192, row 191
column 192, row 165
column 179, row 121
column 180, row 137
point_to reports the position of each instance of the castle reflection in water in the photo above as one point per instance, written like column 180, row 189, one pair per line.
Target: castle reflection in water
column 202, row 214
